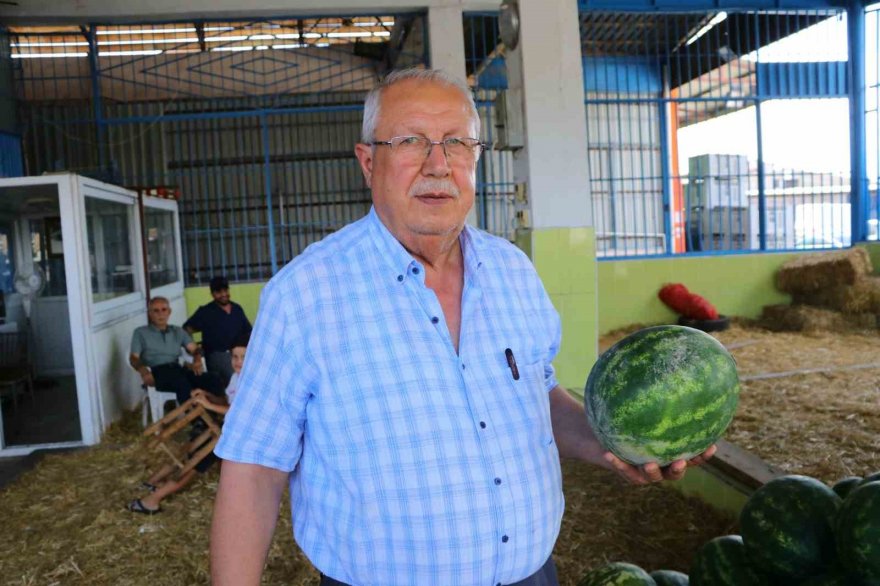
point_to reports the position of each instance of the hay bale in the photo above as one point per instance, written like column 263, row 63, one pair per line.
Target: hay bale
column 822, row 270
column 861, row 297
column 805, row 318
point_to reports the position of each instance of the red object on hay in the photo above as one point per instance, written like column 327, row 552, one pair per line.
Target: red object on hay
column 685, row 303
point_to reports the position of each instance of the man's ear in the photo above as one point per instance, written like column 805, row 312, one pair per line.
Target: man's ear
column 364, row 154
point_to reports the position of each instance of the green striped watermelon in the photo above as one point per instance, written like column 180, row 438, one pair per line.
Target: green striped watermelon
column 662, row 394
column 670, row 578
column 858, row 532
column 617, row 574
column 871, row 478
column 723, row 562
column 832, row 578
column 787, row 527
column 844, row 486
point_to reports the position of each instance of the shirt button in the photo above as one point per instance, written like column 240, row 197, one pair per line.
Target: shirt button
column 483, row 424
column 435, row 320
column 400, row 278
column 415, row 270
column 497, row 481
column 504, row 538
column 463, row 367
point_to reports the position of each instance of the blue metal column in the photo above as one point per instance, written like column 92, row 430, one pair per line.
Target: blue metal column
column 664, row 105
column 96, row 96
column 762, row 192
column 267, row 175
column 855, row 15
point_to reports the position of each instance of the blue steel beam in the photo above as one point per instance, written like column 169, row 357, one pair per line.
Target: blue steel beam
column 858, row 127
column 713, row 5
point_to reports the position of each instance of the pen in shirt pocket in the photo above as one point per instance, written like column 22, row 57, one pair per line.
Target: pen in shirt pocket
column 511, row 362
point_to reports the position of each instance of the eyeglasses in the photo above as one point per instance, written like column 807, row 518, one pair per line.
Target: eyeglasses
column 418, row 148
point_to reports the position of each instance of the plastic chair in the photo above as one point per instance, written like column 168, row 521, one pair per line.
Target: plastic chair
column 154, row 403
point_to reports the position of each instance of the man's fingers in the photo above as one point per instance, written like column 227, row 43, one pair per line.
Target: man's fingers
column 652, row 471
column 631, row 473
column 675, row 471
column 704, row 457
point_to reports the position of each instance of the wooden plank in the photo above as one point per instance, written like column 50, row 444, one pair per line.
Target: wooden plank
column 199, row 456
column 742, row 466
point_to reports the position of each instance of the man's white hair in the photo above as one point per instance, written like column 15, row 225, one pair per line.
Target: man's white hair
column 372, row 103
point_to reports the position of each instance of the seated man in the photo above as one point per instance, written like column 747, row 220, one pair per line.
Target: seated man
column 221, row 322
column 155, row 352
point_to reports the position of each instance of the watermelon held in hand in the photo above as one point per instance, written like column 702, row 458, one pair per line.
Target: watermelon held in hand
column 858, row 532
column 723, row 562
column 787, row 526
column 670, row 578
column 617, row 574
column 662, row 394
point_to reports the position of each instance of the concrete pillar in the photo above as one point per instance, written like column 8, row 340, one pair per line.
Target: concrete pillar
column 557, row 229
column 446, row 39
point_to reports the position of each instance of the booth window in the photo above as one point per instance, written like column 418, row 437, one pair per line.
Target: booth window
column 109, row 226
column 161, row 247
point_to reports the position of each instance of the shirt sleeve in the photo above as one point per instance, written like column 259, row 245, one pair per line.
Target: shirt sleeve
column 137, row 343
column 185, row 338
column 266, row 421
column 195, row 321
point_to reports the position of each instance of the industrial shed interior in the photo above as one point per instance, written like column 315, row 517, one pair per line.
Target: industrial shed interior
column 631, row 145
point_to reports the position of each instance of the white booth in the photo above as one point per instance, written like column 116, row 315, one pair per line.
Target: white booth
column 78, row 259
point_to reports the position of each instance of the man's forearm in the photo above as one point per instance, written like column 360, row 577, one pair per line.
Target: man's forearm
column 245, row 513
column 135, row 362
column 571, row 431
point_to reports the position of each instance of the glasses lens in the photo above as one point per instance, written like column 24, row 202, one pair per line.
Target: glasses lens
column 410, row 147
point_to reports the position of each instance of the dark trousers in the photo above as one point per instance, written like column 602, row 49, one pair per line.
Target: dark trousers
column 220, row 363
column 181, row 381
column 546, row 576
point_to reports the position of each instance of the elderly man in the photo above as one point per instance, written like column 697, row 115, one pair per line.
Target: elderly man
column 399, row 378
column 155, row 354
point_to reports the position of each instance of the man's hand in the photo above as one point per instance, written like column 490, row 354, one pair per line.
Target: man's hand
column 651, row 472
column 147, row 377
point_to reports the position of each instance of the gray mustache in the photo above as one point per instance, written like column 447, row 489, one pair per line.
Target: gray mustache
column 426, row 186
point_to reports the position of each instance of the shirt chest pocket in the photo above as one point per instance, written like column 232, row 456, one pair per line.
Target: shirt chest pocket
column 526, row 403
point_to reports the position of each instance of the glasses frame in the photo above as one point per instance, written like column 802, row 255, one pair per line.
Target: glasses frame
column 432, row 143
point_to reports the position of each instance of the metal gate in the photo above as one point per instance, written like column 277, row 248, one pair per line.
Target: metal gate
column 254, row 122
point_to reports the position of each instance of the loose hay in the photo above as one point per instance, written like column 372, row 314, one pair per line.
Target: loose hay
column 812, row 272
column 808, row 319
column 824, row 425
column 65, row 523
column 863, row 296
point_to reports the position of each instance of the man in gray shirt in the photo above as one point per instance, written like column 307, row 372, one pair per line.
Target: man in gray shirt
column 155, row 353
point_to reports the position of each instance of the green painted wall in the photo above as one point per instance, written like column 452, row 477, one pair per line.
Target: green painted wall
column 565, row 258
column 873, row 249
column 245, row 294
column 736, row 284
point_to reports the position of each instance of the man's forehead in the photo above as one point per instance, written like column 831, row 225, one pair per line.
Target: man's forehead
column 414, row 103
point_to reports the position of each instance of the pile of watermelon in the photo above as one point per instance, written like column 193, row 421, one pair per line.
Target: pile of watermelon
column 795, row 531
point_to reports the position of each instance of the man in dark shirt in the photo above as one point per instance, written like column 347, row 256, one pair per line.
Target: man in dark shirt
column 221, row 322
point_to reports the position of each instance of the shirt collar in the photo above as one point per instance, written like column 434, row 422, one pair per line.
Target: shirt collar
column 167, row 328
column 402, row 262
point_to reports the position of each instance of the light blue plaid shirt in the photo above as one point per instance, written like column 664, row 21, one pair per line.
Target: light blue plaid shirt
column 411, row 464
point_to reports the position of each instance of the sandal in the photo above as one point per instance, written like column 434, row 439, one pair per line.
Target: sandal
column 137, row 506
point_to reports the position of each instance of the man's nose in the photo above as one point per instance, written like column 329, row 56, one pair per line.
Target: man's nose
column 436, row 163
